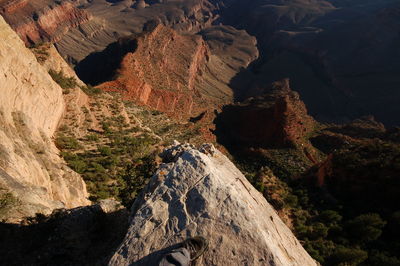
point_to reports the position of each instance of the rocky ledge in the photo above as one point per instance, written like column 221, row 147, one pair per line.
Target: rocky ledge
column 200, row 192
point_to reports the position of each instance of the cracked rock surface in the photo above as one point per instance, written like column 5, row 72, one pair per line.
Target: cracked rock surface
column 200, row 192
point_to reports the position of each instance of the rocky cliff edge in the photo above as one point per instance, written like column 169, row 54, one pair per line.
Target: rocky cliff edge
column 33, row 178
column 199, row 191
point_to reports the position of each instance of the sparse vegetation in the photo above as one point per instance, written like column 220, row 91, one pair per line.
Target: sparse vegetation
column 40, row 50
column 66, row 142
column 118, row 165
column 90, row 90
column 118, row 159
column 7, row 201
column 354, row 219
column 66, row 83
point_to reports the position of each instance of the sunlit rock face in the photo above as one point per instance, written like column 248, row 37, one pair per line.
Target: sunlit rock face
column 181, row 75
column 31, row 106
column 200, row 192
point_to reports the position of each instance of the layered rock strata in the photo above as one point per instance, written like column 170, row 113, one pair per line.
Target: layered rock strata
column 159, row 76
column 115, row 19
column 179, row 74
column 200, row 192
column 31, row 106
column 41, row 20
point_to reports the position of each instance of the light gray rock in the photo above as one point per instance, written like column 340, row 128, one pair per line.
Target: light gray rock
column 200, row 192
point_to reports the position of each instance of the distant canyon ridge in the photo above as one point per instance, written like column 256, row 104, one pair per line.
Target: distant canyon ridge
column 341, row 56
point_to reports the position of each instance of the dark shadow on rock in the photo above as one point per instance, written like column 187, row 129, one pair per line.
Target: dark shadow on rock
column 113, row 1
column 81, row 236
column 197, row 118
column 244, row 82
column 101, row 66
column 155, row 257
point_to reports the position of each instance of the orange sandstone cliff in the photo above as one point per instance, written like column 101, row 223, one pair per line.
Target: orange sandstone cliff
column 177, row 74
column 161, row 72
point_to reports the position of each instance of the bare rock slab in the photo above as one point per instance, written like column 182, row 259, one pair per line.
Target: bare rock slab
column 201, row 192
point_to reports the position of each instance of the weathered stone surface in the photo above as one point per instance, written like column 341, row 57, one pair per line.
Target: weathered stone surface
column 31, row 106
column 201, row 192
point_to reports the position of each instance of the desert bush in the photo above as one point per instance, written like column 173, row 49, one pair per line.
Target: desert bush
column 348, row 256
column 65, row 83
column 7, row 201
column 90, row 90
column 366, row 227
column 66, row 142
column 92, row 137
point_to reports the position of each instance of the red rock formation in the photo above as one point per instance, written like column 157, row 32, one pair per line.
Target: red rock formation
column 12, row 5
column 323, row 170
column 37, row 21
column 277, row 118
column 162, row 71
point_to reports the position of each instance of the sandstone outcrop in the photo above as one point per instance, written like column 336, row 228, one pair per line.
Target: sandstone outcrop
column 199, row 191
column 31, row 106
column 180, row 74
column 41, row 20
column 276, row 118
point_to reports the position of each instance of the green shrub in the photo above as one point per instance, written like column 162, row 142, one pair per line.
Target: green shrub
column 78, row 166
column 92, row 137
column 318, row 231
column 366, row 227
column 377, row 258
column 97, row 168
column 348, row 256
column 104, row 150
column 7, row 201
column 64, row 82
column 330, row 217
column 90, row 90
column 69, row 156
column 291, row 200
column 65, row 142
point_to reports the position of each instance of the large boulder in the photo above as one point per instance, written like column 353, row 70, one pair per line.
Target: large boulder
column 200, row 192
